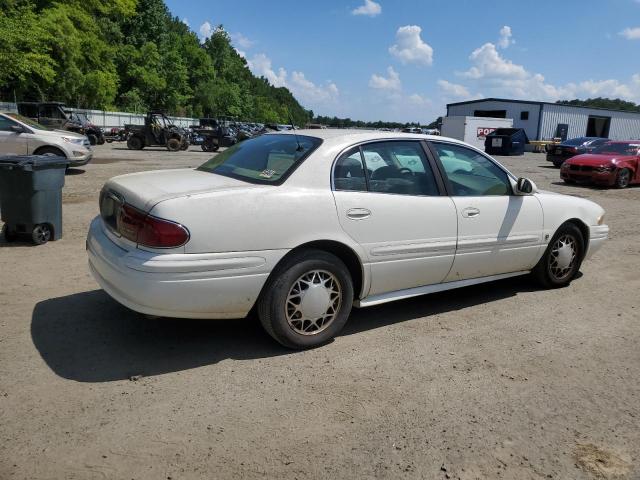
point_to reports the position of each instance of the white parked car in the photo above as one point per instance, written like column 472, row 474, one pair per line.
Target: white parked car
column 22, row 136
column 303, row 227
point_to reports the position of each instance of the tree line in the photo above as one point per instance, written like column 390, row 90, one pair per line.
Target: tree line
column 130, row 55
column 600, row 102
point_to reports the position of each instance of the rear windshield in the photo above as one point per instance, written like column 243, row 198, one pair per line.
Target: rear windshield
column 618, row 148
column 267, row 159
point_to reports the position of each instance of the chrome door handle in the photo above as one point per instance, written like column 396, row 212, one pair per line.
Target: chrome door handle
column 358, row 213
column 470, row 212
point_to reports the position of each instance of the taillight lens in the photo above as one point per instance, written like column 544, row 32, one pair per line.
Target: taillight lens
column 572, row 149
column 149, row 231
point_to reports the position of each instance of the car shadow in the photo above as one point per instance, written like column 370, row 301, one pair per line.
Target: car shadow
column 88, row 337
column 74, row 171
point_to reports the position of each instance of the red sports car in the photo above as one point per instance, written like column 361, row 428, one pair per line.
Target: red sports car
column 612, row 164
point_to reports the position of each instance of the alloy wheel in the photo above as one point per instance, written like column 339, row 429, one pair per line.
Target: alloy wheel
column 313, row 302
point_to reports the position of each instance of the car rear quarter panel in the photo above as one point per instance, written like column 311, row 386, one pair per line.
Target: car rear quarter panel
column 272, row 218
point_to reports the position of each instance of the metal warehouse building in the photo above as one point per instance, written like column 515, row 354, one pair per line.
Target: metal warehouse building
column 543, row 120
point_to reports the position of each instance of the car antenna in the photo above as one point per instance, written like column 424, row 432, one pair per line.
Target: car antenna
column 293, row 127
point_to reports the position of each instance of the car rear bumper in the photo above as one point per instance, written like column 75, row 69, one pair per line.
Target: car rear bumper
column 597, row 236
column 217, row 285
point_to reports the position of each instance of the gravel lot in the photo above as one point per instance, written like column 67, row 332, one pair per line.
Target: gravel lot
column 500, row 380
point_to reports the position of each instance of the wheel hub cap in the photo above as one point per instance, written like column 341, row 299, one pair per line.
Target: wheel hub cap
column 563, row 255
column 313, row 302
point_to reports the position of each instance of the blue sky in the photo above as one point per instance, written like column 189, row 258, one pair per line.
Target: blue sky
column 406, row 59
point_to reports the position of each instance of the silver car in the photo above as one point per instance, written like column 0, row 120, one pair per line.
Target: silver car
column 22, row 136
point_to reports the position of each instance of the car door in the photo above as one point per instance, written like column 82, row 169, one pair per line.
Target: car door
column 498, row 232
column 397, row 210
column 12, row 142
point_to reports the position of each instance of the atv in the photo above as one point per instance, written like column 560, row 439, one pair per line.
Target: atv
column 93, row 133
column 157, row 130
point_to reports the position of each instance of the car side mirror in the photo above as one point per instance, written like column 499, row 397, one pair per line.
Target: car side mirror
column 524, row 186
column 16, row 129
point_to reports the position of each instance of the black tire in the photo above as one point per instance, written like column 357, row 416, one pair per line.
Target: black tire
column 273, row 307
column 209, row 145
column 568, row 181
column 101, row 140
column 623, row 178
column 184, row 145
column 557, row 163
column 50, row 151
column 109, row 141
column 134, row 143
column 93, row 140
column 552, row 271
column 8, row 234
column 41, row 234
column 173, row 145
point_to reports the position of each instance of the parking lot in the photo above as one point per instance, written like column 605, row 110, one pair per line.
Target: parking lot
column 501, row 380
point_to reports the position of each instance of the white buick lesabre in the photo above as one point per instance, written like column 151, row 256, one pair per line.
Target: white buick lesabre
column 304, row 226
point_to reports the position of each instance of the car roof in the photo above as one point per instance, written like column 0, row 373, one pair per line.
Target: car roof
column 338, row 136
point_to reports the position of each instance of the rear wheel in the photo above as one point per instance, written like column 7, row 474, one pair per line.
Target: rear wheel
column 562, row 258
column 173, row 145
column 134, row 143
column 557, row 163
column 307, row 300
column 184, row 145
column 623, row 178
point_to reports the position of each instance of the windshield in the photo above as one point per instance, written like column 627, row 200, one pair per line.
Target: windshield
column 575, row 142
column 267, row 159
column 28, row 121
column 627, row 149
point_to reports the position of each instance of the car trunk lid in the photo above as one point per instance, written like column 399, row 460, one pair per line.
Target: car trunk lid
column 145, row 189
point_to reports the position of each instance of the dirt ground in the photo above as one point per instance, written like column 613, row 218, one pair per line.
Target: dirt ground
column 500, row 380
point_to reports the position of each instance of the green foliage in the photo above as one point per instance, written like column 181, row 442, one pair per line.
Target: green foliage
column 611, row 104
column 130, row 55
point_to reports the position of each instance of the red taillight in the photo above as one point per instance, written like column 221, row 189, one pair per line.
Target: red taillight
column 571, row 149
column 150, row 231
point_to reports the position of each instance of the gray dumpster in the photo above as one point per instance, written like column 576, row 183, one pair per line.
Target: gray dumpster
column 31, row 196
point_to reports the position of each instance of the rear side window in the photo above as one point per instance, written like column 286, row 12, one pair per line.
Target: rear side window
column 470, row 173
column 348, row 173
column 268, row 159
column 397, row 167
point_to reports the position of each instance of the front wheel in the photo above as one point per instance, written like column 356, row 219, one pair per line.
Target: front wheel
column 93, row 140
column 623, row 178
column 562, row 258
column 307, row 300
column 173, row 145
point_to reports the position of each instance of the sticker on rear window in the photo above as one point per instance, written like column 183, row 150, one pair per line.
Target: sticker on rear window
column 267, row 173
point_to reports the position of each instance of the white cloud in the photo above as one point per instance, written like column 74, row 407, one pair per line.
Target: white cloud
column 206, row 30
column 390, row 83
column 505, row 37
column 307, row 92
column 418, row 100
column 494, row 75
column 186, row 22
column 260, row 65
column 631, row 33
column 454, row 90
column 369, row 8
column 410, row 48
column 241, row 41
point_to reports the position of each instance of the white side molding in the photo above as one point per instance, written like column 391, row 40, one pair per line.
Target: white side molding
column 439, row 287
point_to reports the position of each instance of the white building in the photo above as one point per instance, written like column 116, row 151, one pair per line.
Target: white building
column 543, row 120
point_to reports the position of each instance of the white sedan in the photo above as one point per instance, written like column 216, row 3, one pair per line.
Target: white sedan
column 304, row 225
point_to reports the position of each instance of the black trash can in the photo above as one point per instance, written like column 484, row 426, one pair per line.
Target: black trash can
column 31, row 196
column 506, row 141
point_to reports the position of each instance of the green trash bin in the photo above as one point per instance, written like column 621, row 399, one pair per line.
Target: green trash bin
column 31, row 196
